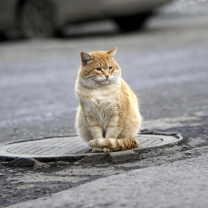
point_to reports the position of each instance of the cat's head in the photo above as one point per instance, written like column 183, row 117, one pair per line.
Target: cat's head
column 99, row 68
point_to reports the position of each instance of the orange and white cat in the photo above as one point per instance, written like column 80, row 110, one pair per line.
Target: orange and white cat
column 108, row 115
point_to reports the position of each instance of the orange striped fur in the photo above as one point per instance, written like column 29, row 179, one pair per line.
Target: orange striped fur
column 108, row 115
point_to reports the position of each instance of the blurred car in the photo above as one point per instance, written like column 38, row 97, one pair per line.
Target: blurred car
column 44, row 18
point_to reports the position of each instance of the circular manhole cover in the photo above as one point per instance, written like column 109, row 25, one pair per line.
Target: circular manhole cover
column 72, row 147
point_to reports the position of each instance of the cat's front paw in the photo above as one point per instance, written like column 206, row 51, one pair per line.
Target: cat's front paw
column 97, row 149
column 101, row 149
column 107, row 149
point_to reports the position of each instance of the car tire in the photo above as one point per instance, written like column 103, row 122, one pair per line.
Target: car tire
column 36, row 19
column 133, row 22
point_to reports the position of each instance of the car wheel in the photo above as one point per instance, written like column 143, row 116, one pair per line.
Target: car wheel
column 133, row 22
column 36, row 19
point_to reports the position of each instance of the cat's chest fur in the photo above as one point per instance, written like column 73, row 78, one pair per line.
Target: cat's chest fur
column 102, row 106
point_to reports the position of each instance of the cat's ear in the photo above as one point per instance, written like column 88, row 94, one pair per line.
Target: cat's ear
column 86, row 58
column 112, row 52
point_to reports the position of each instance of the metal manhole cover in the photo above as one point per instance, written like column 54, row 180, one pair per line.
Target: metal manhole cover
column 72, row 146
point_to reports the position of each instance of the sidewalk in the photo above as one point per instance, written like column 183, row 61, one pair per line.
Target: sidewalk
column 179, row 184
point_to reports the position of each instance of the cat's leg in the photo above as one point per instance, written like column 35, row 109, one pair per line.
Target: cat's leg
column 119, row 136
column 82, row 127
column 94, row 128
column 114, row 128
column 97, row 133
column 129, row 131
column 85, row 133
column 132, row 125
column 112, row 132
column 87, row 126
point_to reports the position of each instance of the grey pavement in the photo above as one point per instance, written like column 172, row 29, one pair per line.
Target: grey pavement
column 178, row 184
column 167, row 67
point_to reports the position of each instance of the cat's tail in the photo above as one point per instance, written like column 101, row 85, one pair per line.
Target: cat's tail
column 114, row 144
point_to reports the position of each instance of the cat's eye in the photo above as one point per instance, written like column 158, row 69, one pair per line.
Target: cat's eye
column 98, row 68
column 110, row 67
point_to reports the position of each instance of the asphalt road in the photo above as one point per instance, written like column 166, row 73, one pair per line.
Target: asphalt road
column 167, row 67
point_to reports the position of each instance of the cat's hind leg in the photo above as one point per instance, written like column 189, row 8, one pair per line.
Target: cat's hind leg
column 82, row 127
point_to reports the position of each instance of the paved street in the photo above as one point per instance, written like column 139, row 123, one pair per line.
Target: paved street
column 167, row 67
column 161, row 186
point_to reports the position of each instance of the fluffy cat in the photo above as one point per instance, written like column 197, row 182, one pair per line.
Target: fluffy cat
column 108, row 115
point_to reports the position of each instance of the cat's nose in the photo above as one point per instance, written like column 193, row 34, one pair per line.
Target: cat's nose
column 106, row 76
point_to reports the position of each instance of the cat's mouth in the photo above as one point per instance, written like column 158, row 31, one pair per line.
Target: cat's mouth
column 104, row 81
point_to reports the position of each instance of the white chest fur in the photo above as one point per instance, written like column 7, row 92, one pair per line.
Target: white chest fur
column 101, row 105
